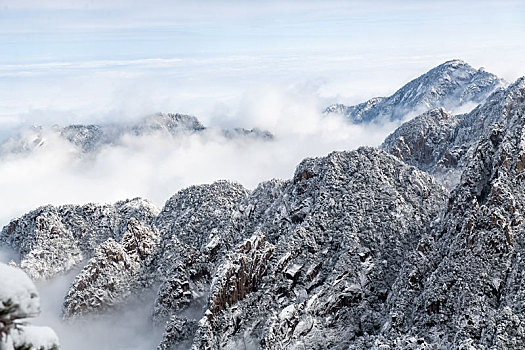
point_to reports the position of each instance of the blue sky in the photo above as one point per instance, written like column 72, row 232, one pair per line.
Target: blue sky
column 83, row 60
column 91, row 30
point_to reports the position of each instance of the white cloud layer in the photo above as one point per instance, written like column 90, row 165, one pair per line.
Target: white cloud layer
column 156, row 166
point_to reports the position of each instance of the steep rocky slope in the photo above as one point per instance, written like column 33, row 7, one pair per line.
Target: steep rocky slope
column 442, row 144
column 117, row 271
column 464, row 286
column 227, row 262
column 52, row 240
column 357, row 250
column 197, row 230
column 451, row 85
column 336, row 236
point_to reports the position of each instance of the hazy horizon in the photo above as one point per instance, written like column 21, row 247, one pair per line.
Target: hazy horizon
column 273, row 65
column 82, row 61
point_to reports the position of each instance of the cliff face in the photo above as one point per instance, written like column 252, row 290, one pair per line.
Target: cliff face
column 53, row 240
column 464, row 285
column 116, row 271
column 442, row 144
column 336, row 249
column 325, row 245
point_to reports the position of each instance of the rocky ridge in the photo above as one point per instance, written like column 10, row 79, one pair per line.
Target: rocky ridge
column 308, row 230
column 442, row 144
column 357, row 250
column 452, row 85
column 330, row 258
column 52, row 240
column 464, row 287
column 116, row 271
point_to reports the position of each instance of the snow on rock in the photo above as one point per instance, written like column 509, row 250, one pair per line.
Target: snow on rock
column 338, row 244
column 442, row 144
column 452, row 85
column 197, row 229
column 184, row 282
column 464, row 283
column 241, row 273
column 196, row 214
column 357, row 250
column 19, row 300
column 89, row 139
column 416, row 142
column 178, row 334
column 52, row 240
column 115, row 272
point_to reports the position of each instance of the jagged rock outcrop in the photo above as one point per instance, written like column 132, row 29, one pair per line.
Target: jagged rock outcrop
column 239, row 275
column 429, row 143
column 19, row 300
column 115, row 272
column 462, row 286
column 178, row 334
column 334, row 259
column 421, row 142
column 197, row 229
column 52, row 240
column 201, row 214
column 451, row 85
column 329, row 244
column 442, row 144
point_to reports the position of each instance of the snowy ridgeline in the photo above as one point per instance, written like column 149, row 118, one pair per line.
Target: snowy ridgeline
column 19, row 300
column 454, row 85
column 358, row 250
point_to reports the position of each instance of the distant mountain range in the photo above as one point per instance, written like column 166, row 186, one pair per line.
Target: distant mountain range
column 91, row 138
column 363, row 249
column 451, row 85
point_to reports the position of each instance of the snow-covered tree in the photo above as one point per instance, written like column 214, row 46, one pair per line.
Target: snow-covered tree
column 19, row 300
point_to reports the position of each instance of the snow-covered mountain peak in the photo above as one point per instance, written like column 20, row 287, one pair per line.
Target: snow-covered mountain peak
column 453, row 84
